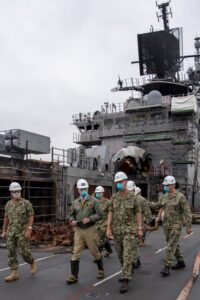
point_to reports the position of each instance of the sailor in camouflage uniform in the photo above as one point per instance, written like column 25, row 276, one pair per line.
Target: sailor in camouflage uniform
column 146, row 221
column 176, row 213
column 121, row 218
column 146, row 213
column 131, row 186
column 17, row 229
column 101, row 225
column 83, row 216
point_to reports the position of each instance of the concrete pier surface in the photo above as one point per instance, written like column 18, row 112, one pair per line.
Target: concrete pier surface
column 49, row 283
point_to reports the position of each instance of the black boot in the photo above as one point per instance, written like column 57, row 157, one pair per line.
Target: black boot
column 124, row 286
column 73, row 278
column 138, row 262
column 179, row 265
column 108, row 249
column 99, row 263
column 165, row 272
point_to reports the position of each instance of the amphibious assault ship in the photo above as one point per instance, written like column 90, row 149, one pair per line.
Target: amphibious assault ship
column 148, row 136
column 153, row 133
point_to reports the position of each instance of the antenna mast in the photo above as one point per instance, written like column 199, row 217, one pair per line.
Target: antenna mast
column 163, row 7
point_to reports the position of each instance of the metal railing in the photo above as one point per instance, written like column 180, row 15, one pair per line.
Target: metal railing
column 77, row 158
column 138, row 81
column 87, row 137
column 156, row 126
column 59, row 156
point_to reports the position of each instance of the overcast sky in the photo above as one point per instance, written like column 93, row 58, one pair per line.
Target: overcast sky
column 61, row 57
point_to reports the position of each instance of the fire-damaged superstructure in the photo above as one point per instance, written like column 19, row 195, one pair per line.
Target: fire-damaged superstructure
column 156, row 131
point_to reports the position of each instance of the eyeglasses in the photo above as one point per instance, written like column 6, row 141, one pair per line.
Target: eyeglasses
column 15, row 192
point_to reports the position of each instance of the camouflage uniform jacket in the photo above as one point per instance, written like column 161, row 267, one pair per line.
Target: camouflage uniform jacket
column 104, row 205
column 124, row 209
column 177, row 210
column 18, row 213
column 145, row 207
column 88, row 208
column 158, row 204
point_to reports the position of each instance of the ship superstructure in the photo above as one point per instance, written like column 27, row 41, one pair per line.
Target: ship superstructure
column 162, row 121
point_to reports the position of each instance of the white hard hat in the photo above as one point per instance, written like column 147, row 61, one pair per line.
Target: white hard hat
column 15, row 186
column 119, row 176
column 137, row 190
column 130, row 185
column 82, row 184
column 99, row 189
column 169, row 180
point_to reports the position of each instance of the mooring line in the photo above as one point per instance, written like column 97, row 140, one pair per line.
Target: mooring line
column 186, row 290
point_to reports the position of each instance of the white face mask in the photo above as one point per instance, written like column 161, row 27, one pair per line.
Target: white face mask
column 16, row 195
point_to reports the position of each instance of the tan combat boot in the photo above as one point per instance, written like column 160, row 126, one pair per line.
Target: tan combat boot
column 101, row 274
column 71, row 279
column 13, row 276
column 33, row 268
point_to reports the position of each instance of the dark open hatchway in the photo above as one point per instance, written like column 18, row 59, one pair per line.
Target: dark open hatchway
column 144, row 189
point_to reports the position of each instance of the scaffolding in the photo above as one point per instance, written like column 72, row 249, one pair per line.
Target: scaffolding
column 41, row 184
column 172, row 139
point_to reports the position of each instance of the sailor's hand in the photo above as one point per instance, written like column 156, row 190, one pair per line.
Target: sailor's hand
column 86, row 220
column 3, row 235
column 189, row 231
column 140, row 232
column 109, row 233
column 28, row 233
column 73, row 223
column 157, row 221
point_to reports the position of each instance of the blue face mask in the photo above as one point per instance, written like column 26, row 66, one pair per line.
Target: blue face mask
column 84, row 194
column 166, row 189
column 120, row 186
column 98, row 196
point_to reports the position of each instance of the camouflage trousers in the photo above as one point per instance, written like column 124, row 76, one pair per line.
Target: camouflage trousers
column 144, row 230
column 101, row 237
column 136, row 247
column 172, row 235
column 124, row 246
column 21, row 245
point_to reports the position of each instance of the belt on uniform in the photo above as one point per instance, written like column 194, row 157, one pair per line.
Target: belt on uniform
column 83, row 226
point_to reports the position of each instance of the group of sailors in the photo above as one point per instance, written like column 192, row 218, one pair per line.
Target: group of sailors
column 125, row 219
